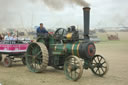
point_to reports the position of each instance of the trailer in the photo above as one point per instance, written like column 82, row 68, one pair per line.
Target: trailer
column 13, row 49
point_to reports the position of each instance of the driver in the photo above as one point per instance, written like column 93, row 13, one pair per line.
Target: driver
column 41, row 29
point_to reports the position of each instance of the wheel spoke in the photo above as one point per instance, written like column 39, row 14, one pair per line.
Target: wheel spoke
column 95, row 61
column 104, row 66
column 32, row 47
column 99, row 70
column 31, row 65
column 100, row 59
column 102, row 70
column 38, row 53
column 30, row 61
column 103, row 62
column 29, row 55
column 35, row 64
column 94, row 66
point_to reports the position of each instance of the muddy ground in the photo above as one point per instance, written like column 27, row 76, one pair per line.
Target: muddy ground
column 116, row 52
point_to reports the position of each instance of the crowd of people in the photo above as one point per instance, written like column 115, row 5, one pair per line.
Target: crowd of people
column 11, row 36
column 8, row 36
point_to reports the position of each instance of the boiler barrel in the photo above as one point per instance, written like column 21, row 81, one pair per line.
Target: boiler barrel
column 80, row 49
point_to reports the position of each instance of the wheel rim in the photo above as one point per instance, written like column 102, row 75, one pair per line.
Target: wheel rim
column 34, row 57
column 73, row 68
column 7, row 62
column 99, row 65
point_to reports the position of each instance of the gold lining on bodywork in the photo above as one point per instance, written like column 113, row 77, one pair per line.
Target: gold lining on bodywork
column 55, row 48
column 73, row 49
column 78, row 49
column 64, row 48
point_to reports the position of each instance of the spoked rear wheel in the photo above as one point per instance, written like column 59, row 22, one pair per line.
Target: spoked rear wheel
column 73, row 68
column 37, row 57
column 99, row 65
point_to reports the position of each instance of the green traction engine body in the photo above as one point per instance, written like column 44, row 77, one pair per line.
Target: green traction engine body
column 65, row 50
column 84, row 50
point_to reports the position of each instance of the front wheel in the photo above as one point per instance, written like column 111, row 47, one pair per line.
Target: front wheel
column 99, row 65
column 73, row 68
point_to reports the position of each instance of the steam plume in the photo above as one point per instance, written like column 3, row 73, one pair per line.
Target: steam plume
column 60, row 4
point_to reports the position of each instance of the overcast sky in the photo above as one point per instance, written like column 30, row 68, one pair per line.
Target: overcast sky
column 23, row 13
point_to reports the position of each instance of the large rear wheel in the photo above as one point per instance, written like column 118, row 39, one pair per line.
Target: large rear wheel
column 37, row 57
column 73, row 68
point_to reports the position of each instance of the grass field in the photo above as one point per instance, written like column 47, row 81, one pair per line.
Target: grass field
column 116, row 52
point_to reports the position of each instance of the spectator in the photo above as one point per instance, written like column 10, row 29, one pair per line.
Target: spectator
column 1, row 37
column 8, row 37
column 14, row 37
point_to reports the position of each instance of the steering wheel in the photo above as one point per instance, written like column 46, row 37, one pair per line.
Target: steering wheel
column 59, row 33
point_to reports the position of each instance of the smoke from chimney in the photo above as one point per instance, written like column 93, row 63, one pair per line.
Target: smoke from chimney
column 60, row 4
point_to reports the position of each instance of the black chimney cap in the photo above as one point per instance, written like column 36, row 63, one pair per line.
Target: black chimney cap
column 86, row 8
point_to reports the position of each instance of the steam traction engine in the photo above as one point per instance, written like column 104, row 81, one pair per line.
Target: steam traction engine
column 64, row 50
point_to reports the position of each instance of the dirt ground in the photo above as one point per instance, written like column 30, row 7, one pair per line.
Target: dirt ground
column 116, row 52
